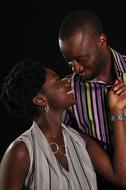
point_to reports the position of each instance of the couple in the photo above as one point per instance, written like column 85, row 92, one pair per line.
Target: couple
column 50, row 155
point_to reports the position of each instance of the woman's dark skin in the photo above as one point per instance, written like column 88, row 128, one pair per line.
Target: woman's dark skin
column 57, row 94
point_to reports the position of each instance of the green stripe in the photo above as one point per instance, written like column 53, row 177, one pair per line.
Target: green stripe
column 90, row 108
column 124, row 77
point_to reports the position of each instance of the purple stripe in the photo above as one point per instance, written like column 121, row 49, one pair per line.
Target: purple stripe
column 79, row 108
column 123, row 63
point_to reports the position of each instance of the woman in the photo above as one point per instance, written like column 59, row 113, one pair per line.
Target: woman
column 49, row 155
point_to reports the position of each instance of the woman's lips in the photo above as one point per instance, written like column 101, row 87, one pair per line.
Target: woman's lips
column 70, row 92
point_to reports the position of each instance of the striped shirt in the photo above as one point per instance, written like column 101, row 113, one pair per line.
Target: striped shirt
column 46, row 173
column 91, row 113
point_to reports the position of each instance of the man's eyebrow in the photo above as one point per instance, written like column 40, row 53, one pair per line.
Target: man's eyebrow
column 69, row 59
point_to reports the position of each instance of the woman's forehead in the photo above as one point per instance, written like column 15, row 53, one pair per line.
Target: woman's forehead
column 51, row 74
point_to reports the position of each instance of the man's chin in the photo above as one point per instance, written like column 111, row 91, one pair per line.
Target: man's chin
column 88, row 77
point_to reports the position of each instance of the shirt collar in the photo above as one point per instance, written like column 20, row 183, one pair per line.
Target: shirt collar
column 119, row 63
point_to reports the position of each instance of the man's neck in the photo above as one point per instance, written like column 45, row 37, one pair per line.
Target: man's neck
column 108, row 74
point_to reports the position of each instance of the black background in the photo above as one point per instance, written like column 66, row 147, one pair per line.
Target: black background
column 30, row 29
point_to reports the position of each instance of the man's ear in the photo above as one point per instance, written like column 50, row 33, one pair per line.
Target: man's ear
column 102, row 40
column 40, row 100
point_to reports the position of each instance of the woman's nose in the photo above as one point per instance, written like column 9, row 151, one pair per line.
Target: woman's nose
column 67, row 81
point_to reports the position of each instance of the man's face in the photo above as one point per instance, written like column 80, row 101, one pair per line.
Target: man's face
column 84, row 53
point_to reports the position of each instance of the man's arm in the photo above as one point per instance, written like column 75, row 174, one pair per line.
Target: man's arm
column 113, row 170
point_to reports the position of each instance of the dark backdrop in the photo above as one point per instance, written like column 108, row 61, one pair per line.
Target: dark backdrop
column 30, row 29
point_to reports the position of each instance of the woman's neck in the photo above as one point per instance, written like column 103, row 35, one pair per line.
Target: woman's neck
column 50, row 124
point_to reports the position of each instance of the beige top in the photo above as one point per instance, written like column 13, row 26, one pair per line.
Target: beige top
column 45, row 173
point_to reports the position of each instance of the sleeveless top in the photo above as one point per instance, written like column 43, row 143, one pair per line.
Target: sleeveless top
column 46, row 173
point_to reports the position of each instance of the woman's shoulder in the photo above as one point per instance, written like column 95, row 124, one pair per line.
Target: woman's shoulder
column 18, row 151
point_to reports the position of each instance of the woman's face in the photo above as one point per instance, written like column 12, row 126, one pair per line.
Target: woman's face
column 57, row 91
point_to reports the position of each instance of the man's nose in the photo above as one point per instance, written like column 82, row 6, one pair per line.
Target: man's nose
column 77, row 67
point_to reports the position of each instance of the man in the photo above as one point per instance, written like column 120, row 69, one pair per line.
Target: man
column 96, row 66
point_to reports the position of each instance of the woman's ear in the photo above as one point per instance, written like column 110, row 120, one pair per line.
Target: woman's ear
column 39, row 100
